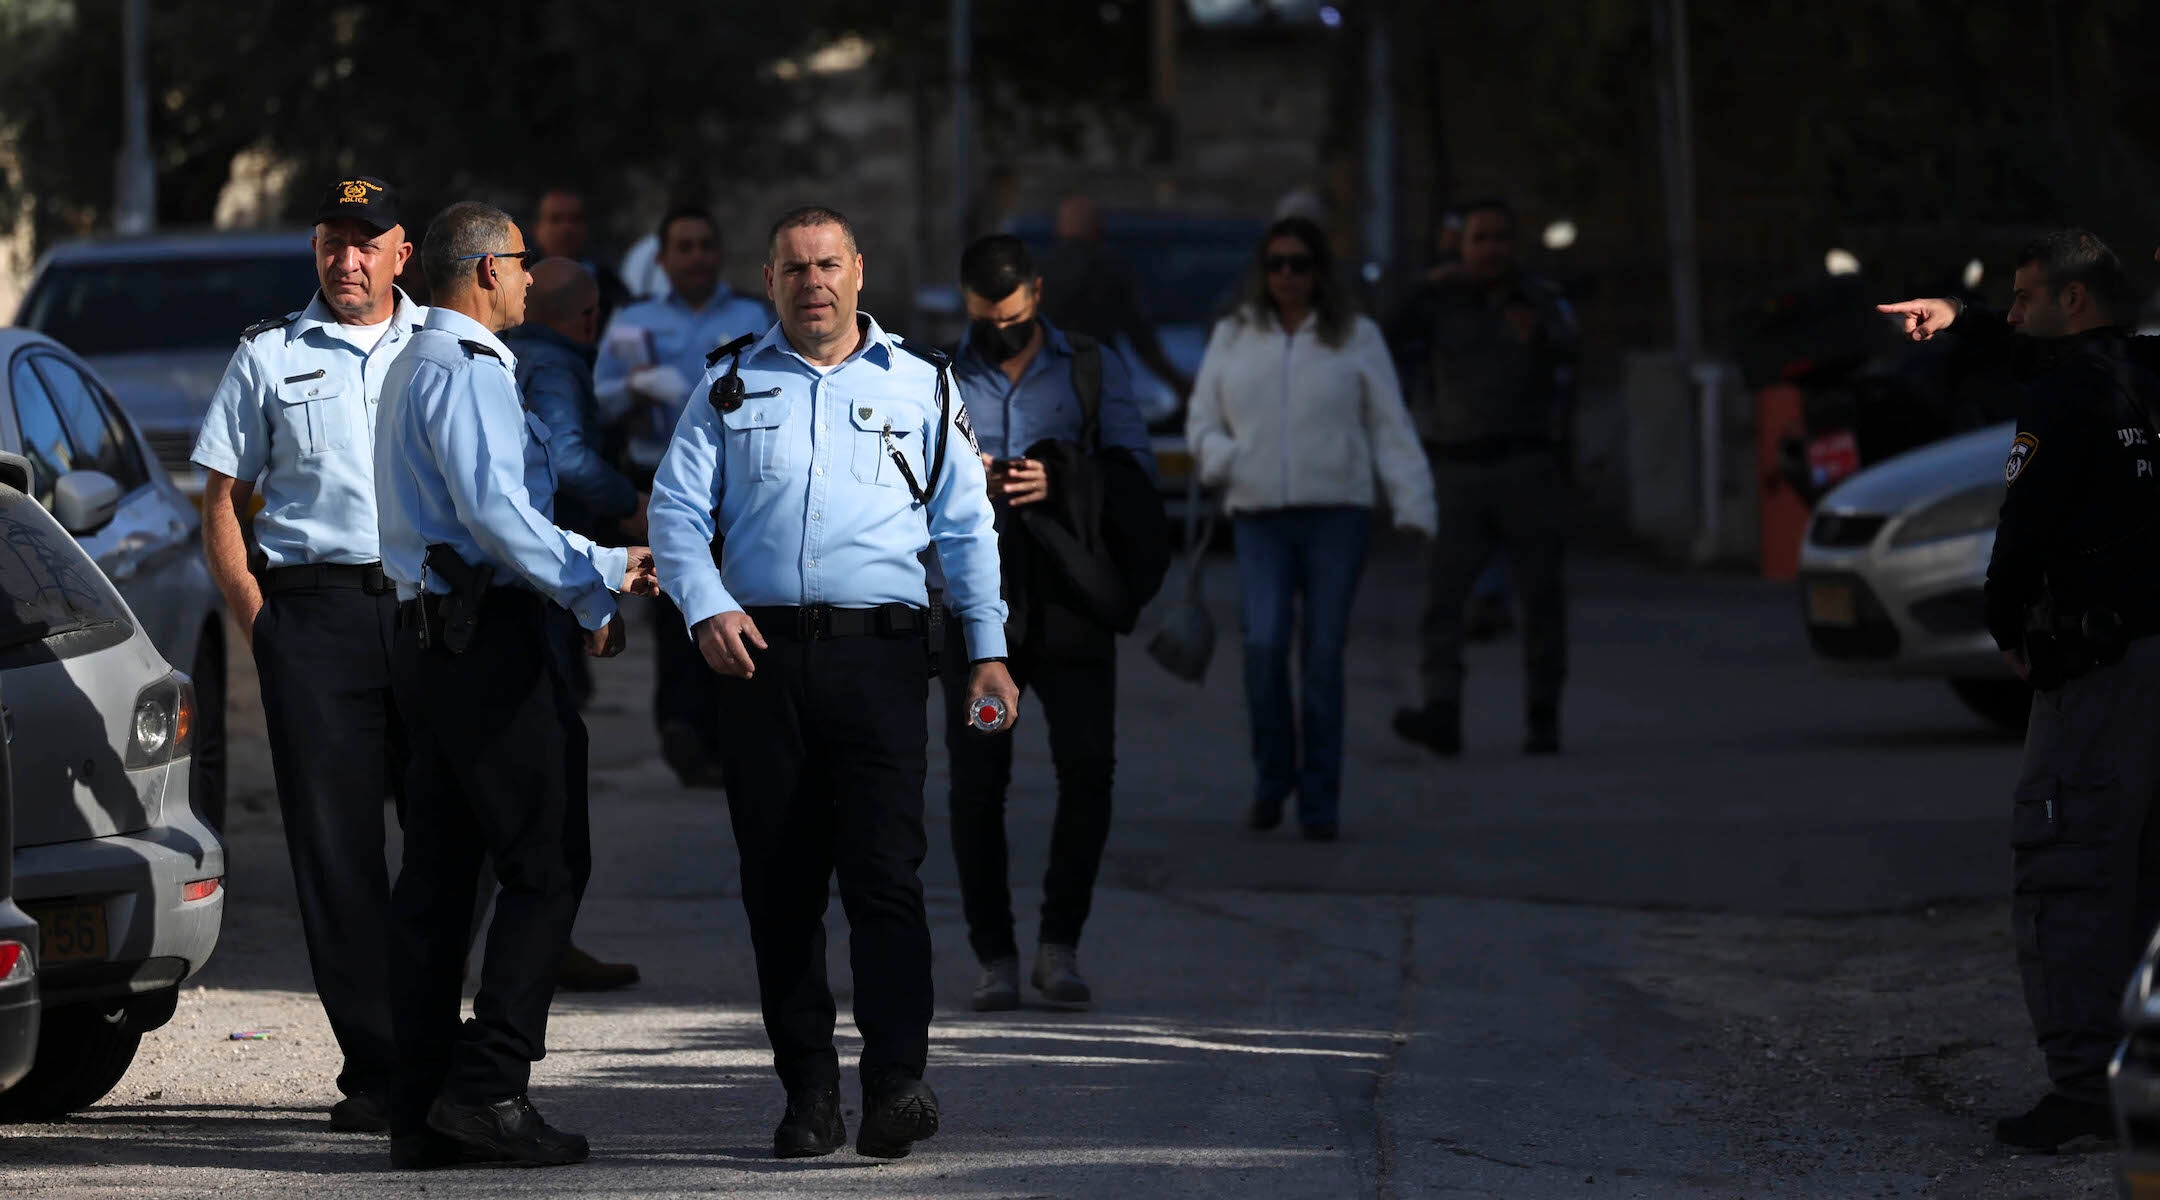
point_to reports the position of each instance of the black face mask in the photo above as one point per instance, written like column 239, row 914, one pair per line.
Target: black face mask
column 999, row 343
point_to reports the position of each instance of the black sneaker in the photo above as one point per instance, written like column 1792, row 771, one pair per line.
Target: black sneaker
column 897, row 1111
column 1265, row 814
column 1322, row 833
column 811, row 1127
column 361, row 1112
column 2055, row 1122
column 581, row 972
column 1437, row 727
column 685, row 753
column 1544, row 735
column 512, row 1128
column 432, row 1151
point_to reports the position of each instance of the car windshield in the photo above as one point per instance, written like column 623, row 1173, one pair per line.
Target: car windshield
column 127, row 307
column 48, row 586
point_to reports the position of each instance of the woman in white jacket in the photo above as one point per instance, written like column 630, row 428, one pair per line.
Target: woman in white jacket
column 1295, row 410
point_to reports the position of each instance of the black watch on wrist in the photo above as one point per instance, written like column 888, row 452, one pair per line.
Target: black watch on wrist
column 995, row 658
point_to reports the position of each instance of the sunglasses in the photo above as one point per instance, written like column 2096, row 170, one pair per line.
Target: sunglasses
column 526, row 258
column 1296, row 264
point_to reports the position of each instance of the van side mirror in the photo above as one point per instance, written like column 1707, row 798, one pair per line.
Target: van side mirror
column 85, row 501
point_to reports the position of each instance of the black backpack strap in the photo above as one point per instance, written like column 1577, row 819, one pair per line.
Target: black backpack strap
column 941, row 363
column 1087, row 387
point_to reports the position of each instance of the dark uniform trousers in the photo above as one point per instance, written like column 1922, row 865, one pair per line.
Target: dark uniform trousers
column 2086, row 857
column 1517, row 502
column 498, row 771
column 336, row 750
column 826, row 752
column 1079, row 704
column 685, row 690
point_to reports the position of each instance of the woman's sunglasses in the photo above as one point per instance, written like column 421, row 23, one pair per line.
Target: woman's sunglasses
column 1296, row 264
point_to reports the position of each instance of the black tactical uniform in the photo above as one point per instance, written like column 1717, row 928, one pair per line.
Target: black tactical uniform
column 2074, row 585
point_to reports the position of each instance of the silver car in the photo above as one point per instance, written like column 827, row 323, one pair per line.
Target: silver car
column 18, row 943
column 1893, row 566
column 124, row 877
column 91, row 467
column 158, row 318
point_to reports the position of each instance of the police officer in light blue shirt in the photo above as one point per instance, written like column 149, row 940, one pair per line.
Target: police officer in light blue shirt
column 650, row 355
column 830, row 454
column 293, row 421
column 498, row 748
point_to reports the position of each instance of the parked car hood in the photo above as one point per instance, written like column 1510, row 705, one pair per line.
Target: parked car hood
column 1917, row 476
column 166, row 389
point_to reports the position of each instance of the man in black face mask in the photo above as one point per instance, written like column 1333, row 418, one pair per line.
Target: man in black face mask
column 1030, row 387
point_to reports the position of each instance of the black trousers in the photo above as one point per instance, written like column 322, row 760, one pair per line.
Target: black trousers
column 1519, row 504
column 1079, row 704
column 826, row 751
column 2086, row 859
column 498, row 771
column 685, row 690
column 336, row 749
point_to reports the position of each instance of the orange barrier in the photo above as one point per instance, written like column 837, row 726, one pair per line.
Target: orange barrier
column 1784, row 515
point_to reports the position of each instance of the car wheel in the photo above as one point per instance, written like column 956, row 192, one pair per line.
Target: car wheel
column 2006, row 703
column 82, row 1054
column 206, row 772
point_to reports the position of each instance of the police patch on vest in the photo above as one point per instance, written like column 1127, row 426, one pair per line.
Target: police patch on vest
column 2021, row 453
column 967, row 427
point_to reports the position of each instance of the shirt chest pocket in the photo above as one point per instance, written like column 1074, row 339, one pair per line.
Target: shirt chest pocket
column 539, row 468
column 878, row 431
column 311, row 412
column 755, row 439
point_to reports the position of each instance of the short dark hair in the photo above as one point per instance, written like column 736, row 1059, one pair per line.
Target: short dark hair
column 464, row 229
column 686, row 212
column 1491, row 204
column 803, row 218
column 994, row 267
column 2067, row 256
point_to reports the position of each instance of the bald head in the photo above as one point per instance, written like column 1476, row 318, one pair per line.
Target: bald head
column 565, row 298
column 1077, row 219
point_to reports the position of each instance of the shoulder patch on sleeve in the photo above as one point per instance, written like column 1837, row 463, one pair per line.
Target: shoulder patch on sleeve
column 967, row 427
column 2021, row 453
column 925, row 351
column 720, row 352
column 267, row 324
column 477, row 348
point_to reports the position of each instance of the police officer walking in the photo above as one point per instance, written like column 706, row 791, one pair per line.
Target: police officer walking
column 830, row 454
column 1031, row 383
column 651, row 353
column 295, row 416
column 2073, row 601
column 498, row 750
column 1491, row 346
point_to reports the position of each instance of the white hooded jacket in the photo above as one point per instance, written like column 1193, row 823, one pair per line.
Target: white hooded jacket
column 1287, row 421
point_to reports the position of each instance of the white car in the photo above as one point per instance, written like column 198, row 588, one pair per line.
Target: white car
column 123, row 876
column 1891, row 573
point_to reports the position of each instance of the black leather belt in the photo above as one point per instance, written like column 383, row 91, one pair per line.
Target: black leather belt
column 368, row 577
column 1491, row 449
column 818, row 622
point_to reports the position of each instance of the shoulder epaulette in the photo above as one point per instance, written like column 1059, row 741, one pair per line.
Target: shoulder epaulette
column 267, row 324
column 473, row 347
column 926, row 352
column 720, row 352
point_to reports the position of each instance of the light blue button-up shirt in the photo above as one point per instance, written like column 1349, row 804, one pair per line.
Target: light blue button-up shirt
column 673, row 334
column 460, row 462
column 295, row 415
column 1009, row 417
column 800, row 481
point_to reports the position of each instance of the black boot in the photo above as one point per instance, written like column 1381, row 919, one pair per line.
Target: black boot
column 1437, row 727
column 1544, row 730
column 811, row 1127
column 361, row 1112
column 511, row 1128
column 898, row 1110
column 2056, row 1120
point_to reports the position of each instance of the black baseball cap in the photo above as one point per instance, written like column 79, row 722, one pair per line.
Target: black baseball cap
column 362, row 198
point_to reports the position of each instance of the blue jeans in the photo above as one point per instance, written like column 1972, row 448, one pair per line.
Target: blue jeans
column 1306, row 562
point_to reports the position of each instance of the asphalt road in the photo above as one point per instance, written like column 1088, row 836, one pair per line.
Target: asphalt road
column 1744, row 939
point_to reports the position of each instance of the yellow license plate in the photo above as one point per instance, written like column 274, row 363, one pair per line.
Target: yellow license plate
column 70, row 933
column 1832, row 604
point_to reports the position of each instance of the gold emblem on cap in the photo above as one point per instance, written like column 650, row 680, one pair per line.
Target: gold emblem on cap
column 356, row 191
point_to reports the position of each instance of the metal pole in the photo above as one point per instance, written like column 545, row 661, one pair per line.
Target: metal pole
column 134, row 175
column 963, row 52
column 1379, row 148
